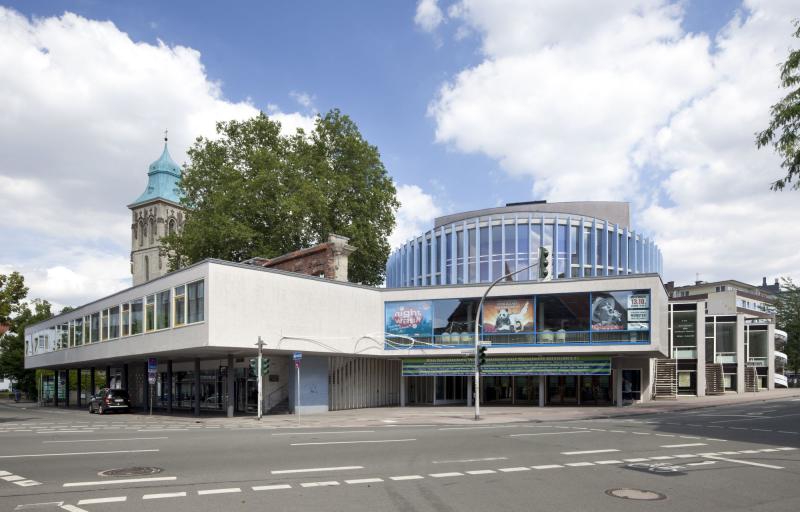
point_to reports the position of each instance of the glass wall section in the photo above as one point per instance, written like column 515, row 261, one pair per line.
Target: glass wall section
column 437, row 271
column 104, row 326
column 460, row 256
column 497, row 251
column 588, row 249
column 180, row 305
column 448, row 262
column 510, row 243
column 536, row 236
column 137, row 316
column 484, row 253
column 113, row 322
column 684, row 332
column 598, row 245
column 471, row 261
column 150, row 313
column 725, row 340
column 162, row 310
column 78, row 333
column 95, row 327
column 196, row 302
column 126, row 319
column 562, row 254
column 65, row 335
column 573, row 252
column 621, row 316
column 454, row 321
column 757, row 346
column 87, row 331
column 523, row 250
column 563, row 318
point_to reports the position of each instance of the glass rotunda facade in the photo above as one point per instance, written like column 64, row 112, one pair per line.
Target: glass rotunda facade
column 585, row 239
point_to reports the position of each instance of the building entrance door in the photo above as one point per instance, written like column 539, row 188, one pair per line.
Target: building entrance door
column 562, row 389
column 247, row 395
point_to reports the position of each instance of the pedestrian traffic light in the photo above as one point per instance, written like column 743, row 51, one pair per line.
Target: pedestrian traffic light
column 544, row 263
column 481, row 356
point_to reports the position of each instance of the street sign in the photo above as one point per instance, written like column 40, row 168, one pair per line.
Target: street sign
column 298, row 356
column 297, row 364
column 152, row 370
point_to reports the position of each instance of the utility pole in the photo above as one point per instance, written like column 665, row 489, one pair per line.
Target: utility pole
column 260, row 345
column 477, row 384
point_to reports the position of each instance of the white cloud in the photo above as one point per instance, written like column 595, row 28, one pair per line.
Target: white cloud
column 304, row 99
column 82, row 112
column 614, row 100
column 428, row 16
column 415, row 215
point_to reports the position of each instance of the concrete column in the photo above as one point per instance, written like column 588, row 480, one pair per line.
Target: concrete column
column 542, row 390
column 771, row 356
column 470, row 382
column 617, row 378
column 169, row 386
column 741, row 356
column 197, row 387
column 147, row 390
column 66, row 388
column 125, row 376
column 402, row 391
column 92, row 387
column 700, row 337
column 79, row 373
column 229, row 378
column 56, row 376
column 108, row 376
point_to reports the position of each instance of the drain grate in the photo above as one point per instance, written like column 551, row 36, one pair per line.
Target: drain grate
column 134, row 471
column 636, row 494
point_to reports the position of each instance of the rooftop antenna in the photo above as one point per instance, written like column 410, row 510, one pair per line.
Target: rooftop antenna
column 166, row 132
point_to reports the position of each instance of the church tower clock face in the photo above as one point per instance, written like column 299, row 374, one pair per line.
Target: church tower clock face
column 156, row 213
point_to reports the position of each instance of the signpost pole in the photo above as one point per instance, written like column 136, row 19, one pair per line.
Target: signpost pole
column 298, row 356
column 477, row 384
column 152, row 376
column 260, row 378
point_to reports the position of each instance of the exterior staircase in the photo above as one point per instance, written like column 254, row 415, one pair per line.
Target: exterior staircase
column 715, row 383
column 666, row 383
column 750, row 379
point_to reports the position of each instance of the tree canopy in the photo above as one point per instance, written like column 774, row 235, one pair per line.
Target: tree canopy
column 787, row 318
column 254, row 192
column 17, row 314
column 783, row 132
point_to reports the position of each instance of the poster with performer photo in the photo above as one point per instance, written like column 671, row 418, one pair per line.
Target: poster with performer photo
column 607, row 313
column 508, row 316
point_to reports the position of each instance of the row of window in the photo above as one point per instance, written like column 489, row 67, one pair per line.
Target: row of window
column 461, row 254
column 175, row 307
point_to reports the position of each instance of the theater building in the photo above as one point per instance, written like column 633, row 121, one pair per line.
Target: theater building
column 587, row 334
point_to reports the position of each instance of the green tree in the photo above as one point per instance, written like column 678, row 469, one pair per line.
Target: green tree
column 783, row 132
column 12, row 293
column 254, row 192
column 787, row 318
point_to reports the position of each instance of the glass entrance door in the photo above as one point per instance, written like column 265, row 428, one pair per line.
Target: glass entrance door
column 526, row 390
column 595, row 390
column 562, row 389
column 497, row 390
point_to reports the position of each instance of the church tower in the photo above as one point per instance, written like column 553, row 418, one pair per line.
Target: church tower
column 155, row 213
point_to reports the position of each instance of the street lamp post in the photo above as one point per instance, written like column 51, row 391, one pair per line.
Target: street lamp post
column 477, row 385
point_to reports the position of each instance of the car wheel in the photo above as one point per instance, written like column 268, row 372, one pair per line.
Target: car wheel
column 91, row 411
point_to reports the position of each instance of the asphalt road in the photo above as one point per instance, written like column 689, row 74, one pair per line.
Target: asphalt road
column 735, row 457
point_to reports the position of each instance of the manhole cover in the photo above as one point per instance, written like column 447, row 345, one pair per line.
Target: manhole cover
column 135, row 471
column 636, row 494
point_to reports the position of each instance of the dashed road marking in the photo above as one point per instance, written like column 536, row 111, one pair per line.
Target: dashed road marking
column 219, row 491
column 481, row 472
column 406, row 477
column 275, row 487
column 314, row 470
column 446, row 475
column 330, row 483
column 113, row 499
column 685, row 445
column 164, row 495
column 586, row 452
column 364, row 481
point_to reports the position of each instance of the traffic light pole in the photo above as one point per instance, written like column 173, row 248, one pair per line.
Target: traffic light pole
column 260, row 345
column 477, row 385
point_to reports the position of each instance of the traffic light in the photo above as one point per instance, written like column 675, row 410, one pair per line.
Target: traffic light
column 253, row 364
column 264, row 366
column 481, row 356
column 544, row 263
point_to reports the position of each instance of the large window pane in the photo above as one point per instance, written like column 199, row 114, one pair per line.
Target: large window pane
column 104, row 326
column 78, row 323
column 484, row 253
column 472, row 255
column 196, row 301
column 558, row 315
column 726, row 342
column 510, row 250
column 497, row 251
column 126, row 319
column 150, row 313
column 137, row 316
column 180, row 305
column 113, row 324
column 454, row 321
column 162, row 310
column 523, row 249
column 95, row 327
column 459, row 257
column 561, row 252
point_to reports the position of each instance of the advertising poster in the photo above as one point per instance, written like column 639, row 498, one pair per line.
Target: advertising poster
column 638, row 301
column 507, row 316
column 607, row 313
column 412, row 318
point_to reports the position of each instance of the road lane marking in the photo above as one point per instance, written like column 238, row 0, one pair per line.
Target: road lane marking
column 481, row 472
column 578, row 464
column 747, row 462
column 585, row 452
column 320, row 484
column 72, row 508
column 486, row 459
column 638, row 459
column 62, row 431
column 73, row 453
column 477, row 428
column 547, row 466
column 550, row 433
column 354, row 442
column 113, row 499
column 103, row 440
column 219, row 491
column 28, row 483
column 123, row 481
column 314, row 470
column 662, row 457
column 271, row 487
column 706, row 463
column 685, row 456
column 406, row 477
column 445, row 475
column 323, row 433
column 12, row 478
column 364, row 481
column 512, row 470
column 608, row 461
column 164, row 495
column 685, row 445
column 162, row 429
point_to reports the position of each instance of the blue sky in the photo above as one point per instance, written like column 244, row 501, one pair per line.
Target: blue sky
column 500, row 131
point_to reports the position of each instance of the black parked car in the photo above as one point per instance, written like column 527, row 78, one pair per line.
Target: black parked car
column 107, row 400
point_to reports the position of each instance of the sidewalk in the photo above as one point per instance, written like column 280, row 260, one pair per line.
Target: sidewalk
column 461, row 415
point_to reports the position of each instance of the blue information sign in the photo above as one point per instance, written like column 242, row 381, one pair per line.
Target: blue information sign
column 298, row 356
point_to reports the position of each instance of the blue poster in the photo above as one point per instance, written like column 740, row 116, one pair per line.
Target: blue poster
column 411, row 318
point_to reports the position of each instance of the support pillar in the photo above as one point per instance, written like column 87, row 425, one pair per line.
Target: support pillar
column 92, row 387
column 469, row 392
column 617, row 377
column 741, row 356
column 197, row 387
column 169, row 386
column 402, row 391
column 146, row 385
column 78, row 383
column 108, row 376
column 125, row 376
column 542, row 390
column 229, row 385
column 56, row 376
column 700, row 342
column 66, row 388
